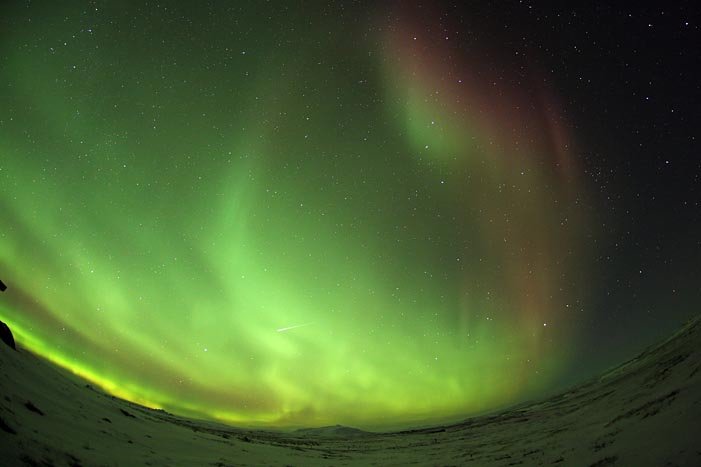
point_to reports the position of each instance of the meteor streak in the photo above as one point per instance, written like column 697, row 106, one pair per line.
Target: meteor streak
column 293, row 327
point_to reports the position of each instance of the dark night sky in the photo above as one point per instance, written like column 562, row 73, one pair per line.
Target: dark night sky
column 631, row 81
column 267, row 214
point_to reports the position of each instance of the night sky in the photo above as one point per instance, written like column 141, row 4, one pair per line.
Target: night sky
column 372, row 214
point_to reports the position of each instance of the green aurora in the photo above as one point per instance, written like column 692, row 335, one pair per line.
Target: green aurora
column 275, row 219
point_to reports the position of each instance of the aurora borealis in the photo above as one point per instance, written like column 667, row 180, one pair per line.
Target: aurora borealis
column 281, row 217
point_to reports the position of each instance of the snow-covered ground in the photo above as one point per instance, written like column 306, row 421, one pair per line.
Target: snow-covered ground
column 645, row 412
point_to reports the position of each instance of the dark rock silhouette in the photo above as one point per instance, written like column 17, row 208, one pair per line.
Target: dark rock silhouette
column 6, row 335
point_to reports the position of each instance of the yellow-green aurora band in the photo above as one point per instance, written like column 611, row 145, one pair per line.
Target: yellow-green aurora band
column 246, row 217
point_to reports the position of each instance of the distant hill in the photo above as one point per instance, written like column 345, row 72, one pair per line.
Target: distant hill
column 336, row 431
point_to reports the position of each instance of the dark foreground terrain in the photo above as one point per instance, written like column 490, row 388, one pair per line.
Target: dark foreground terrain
column 644, row 412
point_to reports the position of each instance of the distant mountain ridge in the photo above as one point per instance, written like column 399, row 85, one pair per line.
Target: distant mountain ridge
column 334, row 431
